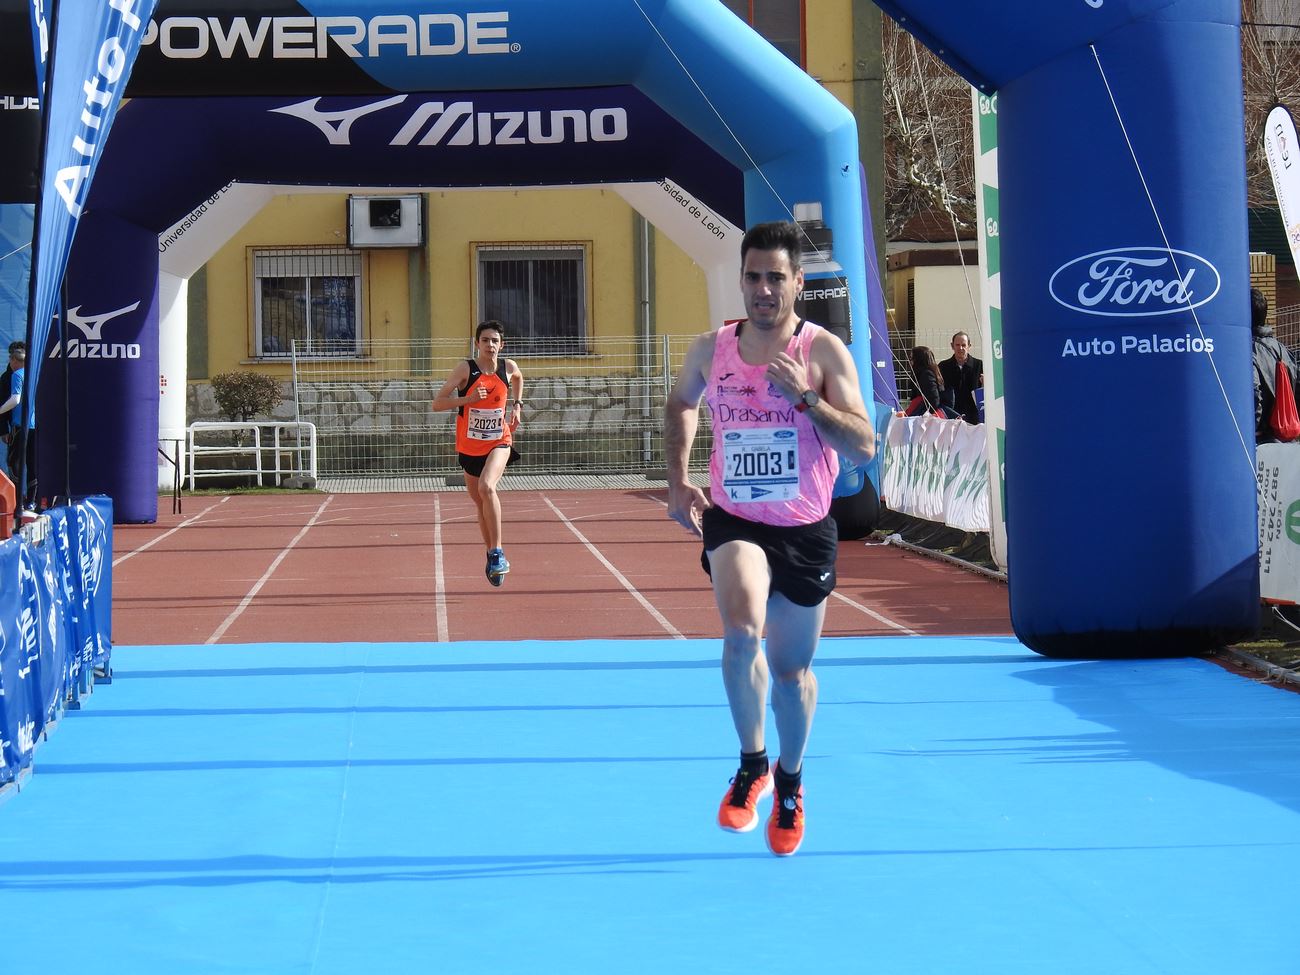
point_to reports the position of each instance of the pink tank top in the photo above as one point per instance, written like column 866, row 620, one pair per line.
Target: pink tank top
column 769, row 463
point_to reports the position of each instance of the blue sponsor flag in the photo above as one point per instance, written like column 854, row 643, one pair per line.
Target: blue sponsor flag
column 40, row 42
column 92, row 48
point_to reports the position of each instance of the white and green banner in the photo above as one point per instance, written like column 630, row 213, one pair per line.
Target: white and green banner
column 985, row 108
column 937, row 469
column 1277, row 466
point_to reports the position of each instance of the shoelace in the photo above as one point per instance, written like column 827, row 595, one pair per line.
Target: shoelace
column 741, row 786
column 789, row 807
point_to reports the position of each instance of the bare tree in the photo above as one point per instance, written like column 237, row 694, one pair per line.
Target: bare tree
column 929, row 172
column 929, row 168
column 1270, row 62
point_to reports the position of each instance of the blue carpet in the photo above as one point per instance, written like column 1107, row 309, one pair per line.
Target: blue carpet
column 548, row 807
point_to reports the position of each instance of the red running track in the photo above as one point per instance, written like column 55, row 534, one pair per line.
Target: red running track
column 605, row 564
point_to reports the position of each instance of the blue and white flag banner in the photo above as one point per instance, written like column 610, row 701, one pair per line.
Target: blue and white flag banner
column 1284, row 165
column 92, row 49
column 40, row 41
column 55, row 602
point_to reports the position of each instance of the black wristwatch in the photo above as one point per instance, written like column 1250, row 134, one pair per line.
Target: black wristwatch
column 807, row 399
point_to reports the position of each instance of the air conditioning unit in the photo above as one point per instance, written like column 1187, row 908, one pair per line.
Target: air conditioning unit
column 386, row 221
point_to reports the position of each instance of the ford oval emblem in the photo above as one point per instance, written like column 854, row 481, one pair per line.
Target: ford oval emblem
column 1134, row 282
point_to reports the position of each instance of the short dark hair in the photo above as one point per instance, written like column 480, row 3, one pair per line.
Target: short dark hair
column 16, row 347
column 778, row 235
column 491, row 324
column 1258, row 309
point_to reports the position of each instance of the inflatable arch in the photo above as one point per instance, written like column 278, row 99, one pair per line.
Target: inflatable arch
column 1123, row 334
column 655, row 97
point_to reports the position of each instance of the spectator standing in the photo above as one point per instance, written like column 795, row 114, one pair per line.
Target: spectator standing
column 928, row 386
column 11, row 410
column 6, row 390
column 962, row 375
column 1269, row 351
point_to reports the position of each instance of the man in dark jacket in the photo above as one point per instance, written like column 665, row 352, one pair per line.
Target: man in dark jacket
column 962, row 375
column 1268, row 353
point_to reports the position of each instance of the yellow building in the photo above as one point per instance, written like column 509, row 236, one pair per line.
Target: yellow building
column 599, row 303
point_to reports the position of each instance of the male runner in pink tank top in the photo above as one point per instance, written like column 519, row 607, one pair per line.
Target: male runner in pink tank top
column 784, row 398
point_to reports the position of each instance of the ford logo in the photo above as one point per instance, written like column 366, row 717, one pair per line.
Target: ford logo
column 784, row 434
column 731, row 435
column 1134, row 282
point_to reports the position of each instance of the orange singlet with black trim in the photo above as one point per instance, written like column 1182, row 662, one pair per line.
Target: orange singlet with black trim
column 481, row 425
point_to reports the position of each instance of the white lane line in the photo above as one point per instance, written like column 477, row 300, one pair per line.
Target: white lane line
column 874, row 615
column 439, row 585
column 275, row 564
column 171, row 531
column 659, row 617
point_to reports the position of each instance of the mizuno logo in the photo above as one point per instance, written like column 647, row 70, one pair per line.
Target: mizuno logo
column 93, row 345
column 336, row 126
column 435, row 123
column 92, row 325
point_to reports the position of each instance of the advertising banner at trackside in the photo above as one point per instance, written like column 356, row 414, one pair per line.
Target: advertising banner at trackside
column 92, row 48
column 473, row 139
column 1278, row 468
column 1284, row 164
column 54, row 622
column 937, row 469
column 990, row 249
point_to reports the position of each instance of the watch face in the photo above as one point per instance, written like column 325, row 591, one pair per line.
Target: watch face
column 809, row 397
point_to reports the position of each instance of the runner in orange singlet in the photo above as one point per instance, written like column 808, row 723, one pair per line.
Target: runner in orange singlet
column 487, row 391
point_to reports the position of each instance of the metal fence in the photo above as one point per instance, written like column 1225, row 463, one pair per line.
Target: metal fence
column 596, row 414
column 1286, row 325
column 599, row 413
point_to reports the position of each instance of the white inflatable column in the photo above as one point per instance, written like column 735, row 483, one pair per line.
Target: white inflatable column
column 173, row 319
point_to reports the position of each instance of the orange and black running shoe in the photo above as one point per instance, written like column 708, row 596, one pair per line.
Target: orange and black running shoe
column 785, row 825
column 739, row 810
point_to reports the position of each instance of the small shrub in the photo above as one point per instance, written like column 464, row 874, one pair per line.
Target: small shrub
column 243, row 395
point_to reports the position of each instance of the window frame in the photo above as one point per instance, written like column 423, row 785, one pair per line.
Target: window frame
column 748, row 18
column 575, row 345
column 355, row 259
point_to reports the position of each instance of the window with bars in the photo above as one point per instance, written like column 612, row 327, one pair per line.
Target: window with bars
column 311, row 295
column 539, row 292
column 780, row 21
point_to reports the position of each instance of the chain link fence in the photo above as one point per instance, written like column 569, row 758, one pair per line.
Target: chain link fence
column 596, row 414
column 1286, row 326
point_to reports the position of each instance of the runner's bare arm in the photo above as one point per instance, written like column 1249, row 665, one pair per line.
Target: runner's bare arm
column 686, row 502
column 840, row 416
column 448, row 397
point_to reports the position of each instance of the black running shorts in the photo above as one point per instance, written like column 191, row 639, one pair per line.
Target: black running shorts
column 800, row 557
column 472, row 464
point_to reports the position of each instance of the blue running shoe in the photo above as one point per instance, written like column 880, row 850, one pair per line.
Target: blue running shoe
column 497, row 566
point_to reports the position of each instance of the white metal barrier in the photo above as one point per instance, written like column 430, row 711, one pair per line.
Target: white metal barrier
column 292, row 449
